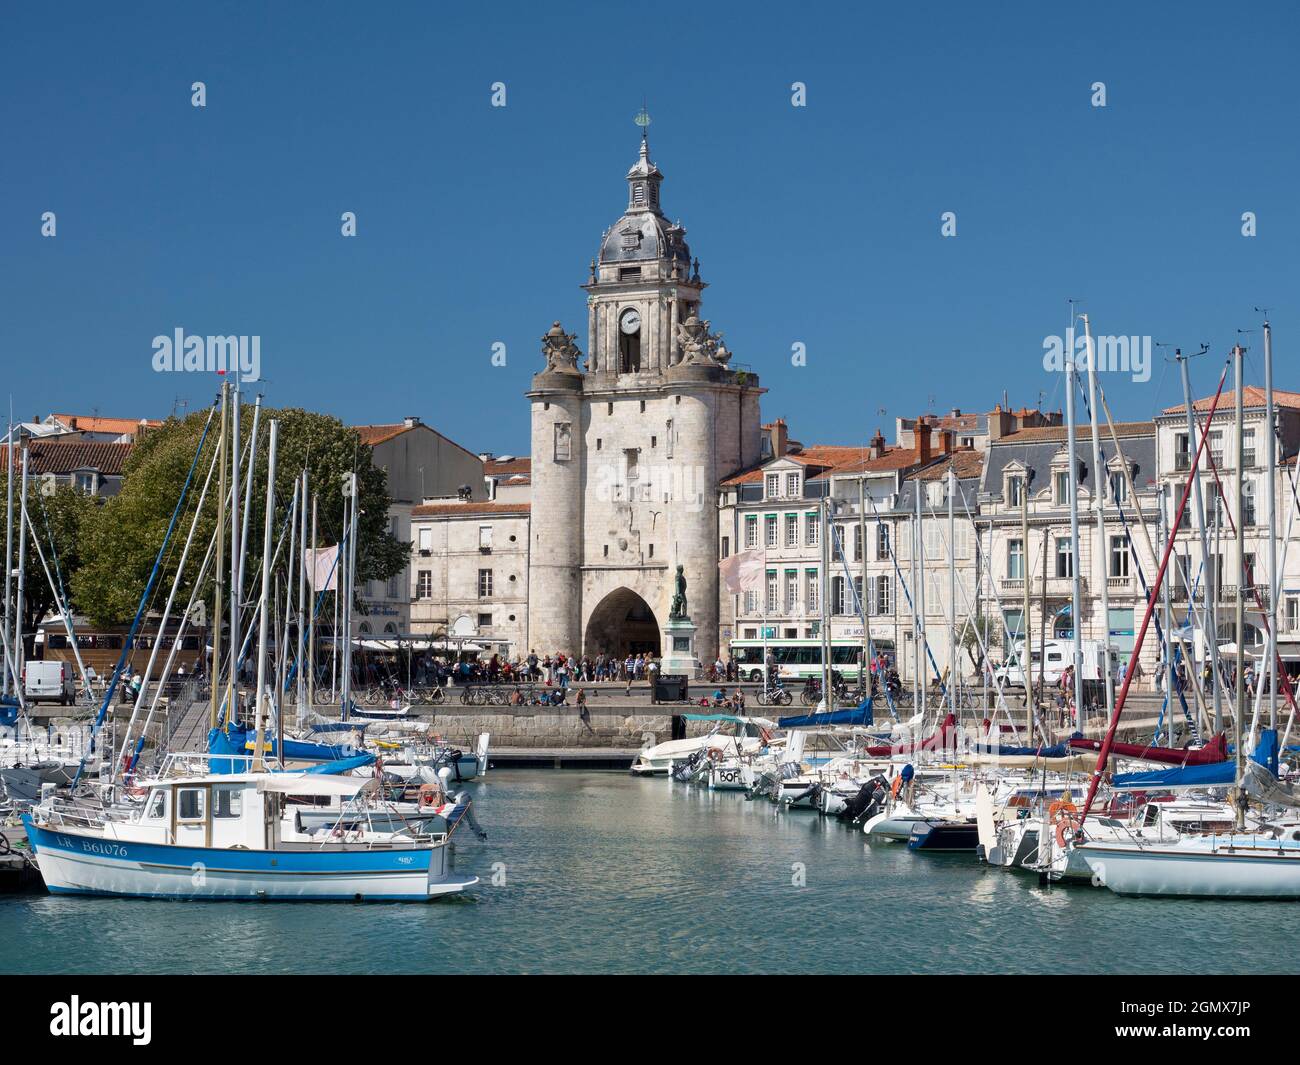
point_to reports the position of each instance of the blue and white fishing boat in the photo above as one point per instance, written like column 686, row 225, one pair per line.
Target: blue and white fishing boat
column 227, row 836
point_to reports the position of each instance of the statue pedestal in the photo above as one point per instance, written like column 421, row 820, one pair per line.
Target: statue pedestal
column 679, row 648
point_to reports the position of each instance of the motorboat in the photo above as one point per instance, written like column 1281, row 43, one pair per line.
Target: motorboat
column 751, row 737
column 226, row 836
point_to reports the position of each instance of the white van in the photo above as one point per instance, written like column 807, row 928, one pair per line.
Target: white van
column 48, row 682
column 1059, row 656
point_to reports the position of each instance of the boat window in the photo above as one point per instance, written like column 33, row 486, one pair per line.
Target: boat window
column 189, row 804
column 157, row 805
column 228, row 800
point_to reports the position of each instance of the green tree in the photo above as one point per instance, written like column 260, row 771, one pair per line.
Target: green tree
column 980, row 629
column 60, row 517
column 123, row 539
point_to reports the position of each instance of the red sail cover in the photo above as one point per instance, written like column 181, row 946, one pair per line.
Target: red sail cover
column 945, row 737
column 1214, row 751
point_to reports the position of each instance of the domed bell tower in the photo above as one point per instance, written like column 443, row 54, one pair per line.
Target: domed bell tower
column 643, row 285
column 627, row 455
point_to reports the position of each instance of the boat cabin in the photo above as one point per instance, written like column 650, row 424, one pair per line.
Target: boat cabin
column 243, row 810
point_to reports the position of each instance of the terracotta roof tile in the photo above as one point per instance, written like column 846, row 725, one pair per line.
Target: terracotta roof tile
column 1252, row 396
column 62, row 457
column 967, row 463
column 822, row 460
column 91, row 423
column 434, row 510
column 377, row 434
column 1046, row 433
column 507, row 467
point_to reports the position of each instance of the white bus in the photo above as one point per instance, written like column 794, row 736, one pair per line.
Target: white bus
column 801, row 659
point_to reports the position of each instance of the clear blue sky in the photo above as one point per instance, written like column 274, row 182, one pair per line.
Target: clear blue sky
column 817, row 225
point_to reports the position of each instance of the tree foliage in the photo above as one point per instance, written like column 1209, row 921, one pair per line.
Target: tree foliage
column 59, row 517
column 122, row 541
column 980, row 629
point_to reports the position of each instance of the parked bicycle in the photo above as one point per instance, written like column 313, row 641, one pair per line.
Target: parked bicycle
column 775, row 695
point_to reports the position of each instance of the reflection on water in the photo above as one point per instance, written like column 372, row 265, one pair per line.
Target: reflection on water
column 605, row 872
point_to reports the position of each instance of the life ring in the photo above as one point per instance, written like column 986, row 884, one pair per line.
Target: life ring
column 430, row 796
column 1060, row 807
column 715, row 754
column 1066, row 827
column 136, row 791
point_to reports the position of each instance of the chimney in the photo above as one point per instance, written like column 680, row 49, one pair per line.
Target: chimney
column 877, row 445
column 921, row 435
column 410, row 421
column 780, row 437
column 1000, row 423
column 946, row 441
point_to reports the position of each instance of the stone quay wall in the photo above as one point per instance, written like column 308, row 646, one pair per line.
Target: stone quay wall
column 612, row 726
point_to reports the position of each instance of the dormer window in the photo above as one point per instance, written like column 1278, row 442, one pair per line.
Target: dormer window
column 773, row 486
column 792, row 485
column 1061, row 481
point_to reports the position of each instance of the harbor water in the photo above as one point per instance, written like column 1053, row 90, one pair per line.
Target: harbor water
column 602, row 872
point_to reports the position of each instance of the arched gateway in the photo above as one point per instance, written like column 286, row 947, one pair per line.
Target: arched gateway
column 622, row 624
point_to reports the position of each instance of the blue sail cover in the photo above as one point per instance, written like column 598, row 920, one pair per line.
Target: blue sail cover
column 341, row 765
column 1214, row 775
column 237, row 741
column 1059, row 750
column 860, row 715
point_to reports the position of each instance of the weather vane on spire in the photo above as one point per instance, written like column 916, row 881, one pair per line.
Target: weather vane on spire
column 642, row 119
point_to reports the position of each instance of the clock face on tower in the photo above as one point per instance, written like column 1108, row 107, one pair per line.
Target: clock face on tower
column 630, row 321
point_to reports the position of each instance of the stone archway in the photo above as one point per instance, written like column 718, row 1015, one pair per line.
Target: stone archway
column 622, row 624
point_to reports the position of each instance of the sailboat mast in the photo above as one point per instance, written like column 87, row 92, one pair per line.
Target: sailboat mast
column 1274, row 585
column 1076, row 619
column 215, row 673
column 1031, row 700
column 311, row 615
column 864, row 669
column 19, row 647
column 1239, row 620
column 302, row 596
column 263, row 696
column 9, row 549
column 952, row 590
column 1171, row 674
column 1101, row 479
column 920, row 594
column 248, row 490
column 345, row 681
column 236, row 593
column 1210, row 581
column 824, row 629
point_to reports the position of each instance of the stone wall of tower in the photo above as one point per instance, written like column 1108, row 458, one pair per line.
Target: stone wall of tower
column 554, row 575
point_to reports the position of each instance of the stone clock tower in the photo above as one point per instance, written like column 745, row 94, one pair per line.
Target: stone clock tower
column 627, row 454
